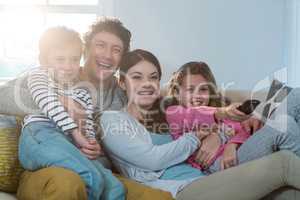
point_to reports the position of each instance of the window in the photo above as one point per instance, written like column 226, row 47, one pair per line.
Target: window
column 22, row 22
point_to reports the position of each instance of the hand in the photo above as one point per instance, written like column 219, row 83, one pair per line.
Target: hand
column 229, row 157
column 202, row 133
column 79, row 139
column 90, row 148
column 230, row 112
column 252, row 125
column 93, row 150
column 208, row 150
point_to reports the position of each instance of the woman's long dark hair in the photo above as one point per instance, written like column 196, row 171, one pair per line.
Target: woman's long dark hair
column 154, row 119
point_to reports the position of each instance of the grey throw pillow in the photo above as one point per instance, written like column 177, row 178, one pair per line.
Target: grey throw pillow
column 277, row 92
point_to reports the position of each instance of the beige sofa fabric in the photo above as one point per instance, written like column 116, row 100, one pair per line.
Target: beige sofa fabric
column 6, row 196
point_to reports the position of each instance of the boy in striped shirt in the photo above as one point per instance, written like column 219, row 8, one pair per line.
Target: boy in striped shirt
column 57, row 79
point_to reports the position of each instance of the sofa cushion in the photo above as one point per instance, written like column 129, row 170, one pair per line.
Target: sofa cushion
column 10, row 168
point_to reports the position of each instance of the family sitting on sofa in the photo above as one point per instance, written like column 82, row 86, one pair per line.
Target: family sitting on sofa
column 191, row 145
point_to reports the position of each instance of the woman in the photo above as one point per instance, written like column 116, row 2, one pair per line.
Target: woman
column 133, row 150
column 144, row 161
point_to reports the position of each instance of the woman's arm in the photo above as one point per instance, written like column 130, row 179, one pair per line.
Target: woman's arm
column 125, row 138
column 16, row 98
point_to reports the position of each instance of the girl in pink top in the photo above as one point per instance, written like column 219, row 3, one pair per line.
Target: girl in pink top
column 193, row 87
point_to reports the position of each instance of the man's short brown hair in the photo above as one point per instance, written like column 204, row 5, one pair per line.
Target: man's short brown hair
column 110, row 25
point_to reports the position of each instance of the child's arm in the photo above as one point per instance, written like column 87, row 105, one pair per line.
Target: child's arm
column 48, row 101
column 83, row 97
column 230, row 150
column 79, row 139
column 241, row 134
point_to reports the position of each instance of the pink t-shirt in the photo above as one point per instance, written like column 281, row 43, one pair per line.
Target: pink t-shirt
column 182, row 120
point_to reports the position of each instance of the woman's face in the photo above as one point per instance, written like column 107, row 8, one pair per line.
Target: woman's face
column 194, row 91
column 142, row 84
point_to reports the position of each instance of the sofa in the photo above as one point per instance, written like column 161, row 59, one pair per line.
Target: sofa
column 7, row 196
column 233, row 95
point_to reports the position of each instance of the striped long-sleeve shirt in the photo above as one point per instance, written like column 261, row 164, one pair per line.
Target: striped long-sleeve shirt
column 45, row 93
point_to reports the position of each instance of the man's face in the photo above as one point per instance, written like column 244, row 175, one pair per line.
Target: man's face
column 65, row 62
column 104, row 55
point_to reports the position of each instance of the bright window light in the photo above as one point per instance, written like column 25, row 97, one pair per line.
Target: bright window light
column 23, row 2
column 73, row 2
column 78, row 22
column 23, row 21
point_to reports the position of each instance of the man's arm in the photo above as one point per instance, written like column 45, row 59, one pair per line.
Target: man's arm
column 15, row 98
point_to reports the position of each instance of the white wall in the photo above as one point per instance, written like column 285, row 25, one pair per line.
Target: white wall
column 292, row 48
column 242, row 40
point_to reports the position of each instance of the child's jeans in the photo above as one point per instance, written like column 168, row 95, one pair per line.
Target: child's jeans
column 42, row 145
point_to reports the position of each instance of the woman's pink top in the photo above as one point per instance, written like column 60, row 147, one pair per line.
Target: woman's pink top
column 182, row 120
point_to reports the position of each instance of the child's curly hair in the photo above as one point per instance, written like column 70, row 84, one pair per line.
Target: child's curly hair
column 110, row 25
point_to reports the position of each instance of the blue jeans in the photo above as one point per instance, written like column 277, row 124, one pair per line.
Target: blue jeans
column 281, row 132
column 42, row 145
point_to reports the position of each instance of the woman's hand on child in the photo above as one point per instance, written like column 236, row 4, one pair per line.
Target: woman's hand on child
column 208, row 150
column 230, row 112
column 229, row 158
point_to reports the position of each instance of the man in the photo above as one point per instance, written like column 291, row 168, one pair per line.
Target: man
column 105, row 43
